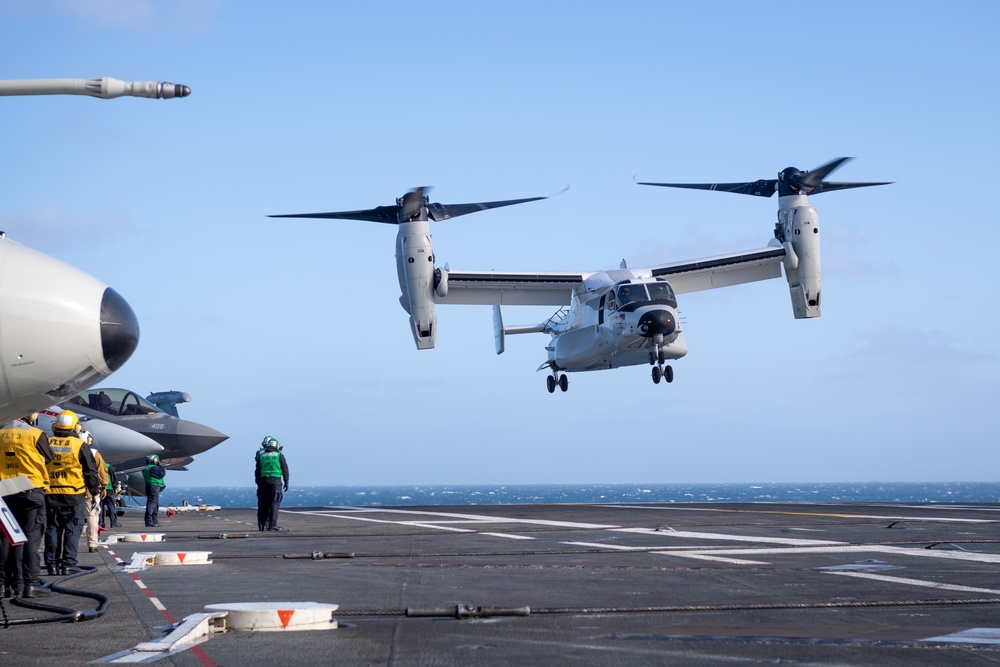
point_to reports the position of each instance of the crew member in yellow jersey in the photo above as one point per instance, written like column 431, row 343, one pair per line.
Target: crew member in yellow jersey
column 24, row 450
column 72, row 474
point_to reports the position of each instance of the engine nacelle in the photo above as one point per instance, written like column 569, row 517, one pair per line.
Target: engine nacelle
column 798, row 232
column 415, row 268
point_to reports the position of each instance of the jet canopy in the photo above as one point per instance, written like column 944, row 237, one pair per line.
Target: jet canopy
column 632, row 293
column 119, row 402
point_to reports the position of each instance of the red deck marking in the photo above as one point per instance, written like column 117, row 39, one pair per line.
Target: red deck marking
column 285, row 615
column 181, row 557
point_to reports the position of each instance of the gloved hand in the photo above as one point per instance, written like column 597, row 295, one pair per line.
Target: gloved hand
column 286, row 486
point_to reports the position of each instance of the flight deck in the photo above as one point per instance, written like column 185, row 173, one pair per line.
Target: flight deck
column 615, row 584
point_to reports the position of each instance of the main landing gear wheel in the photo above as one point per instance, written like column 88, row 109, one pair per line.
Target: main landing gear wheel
column 553, row 381
column 665, row 373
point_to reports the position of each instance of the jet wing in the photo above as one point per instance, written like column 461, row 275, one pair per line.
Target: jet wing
column 723, row 270
column 507, row 288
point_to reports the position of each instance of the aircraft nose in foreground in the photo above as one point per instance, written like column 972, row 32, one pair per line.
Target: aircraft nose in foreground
column 119, row 329
column 657, row 321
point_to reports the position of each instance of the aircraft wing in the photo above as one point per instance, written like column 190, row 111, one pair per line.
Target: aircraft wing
column 511, row 288
column 508, row 288
column 723, row 270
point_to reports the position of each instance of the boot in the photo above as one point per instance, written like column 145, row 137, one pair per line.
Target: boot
column 52, row 569
column 31, row 591
column 8, row 591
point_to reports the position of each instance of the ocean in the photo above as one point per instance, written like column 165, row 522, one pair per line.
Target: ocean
column 519, row 494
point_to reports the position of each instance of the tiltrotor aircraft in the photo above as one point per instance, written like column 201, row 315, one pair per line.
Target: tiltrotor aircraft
column 61, row 330
column 611, row 318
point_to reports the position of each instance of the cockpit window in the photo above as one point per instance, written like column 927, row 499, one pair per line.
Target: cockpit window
column 661, row 290
column 117, row 402
column 630, row 293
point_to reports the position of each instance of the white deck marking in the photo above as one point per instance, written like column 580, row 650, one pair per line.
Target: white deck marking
column 438, row 521
column 437, row 517
column 510, row 537
column 917, row 582
column 726, row 537
column 838, row 515
column 970, row 636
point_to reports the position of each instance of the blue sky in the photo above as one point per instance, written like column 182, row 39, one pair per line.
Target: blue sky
column 292, row 328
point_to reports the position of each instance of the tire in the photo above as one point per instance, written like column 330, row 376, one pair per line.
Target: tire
column 550, row 384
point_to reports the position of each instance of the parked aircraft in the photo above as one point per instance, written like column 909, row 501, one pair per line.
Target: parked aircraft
column 610, row 318
column 180, row 439
column 116, row 443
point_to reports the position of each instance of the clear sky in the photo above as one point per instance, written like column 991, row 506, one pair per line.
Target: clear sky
column 292, row 328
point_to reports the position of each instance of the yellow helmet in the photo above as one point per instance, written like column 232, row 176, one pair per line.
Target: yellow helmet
column 65, row 421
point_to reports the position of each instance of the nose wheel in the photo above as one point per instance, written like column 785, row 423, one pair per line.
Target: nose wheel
column 556, row 379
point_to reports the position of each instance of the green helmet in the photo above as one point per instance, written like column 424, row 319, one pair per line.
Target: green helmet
column 268, row 440
column 152, row 458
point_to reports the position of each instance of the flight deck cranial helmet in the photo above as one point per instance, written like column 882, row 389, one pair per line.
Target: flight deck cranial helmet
column 153, row 459
column 266, row 441
column 65, row 421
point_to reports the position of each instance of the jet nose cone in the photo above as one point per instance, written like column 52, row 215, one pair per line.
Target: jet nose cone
column 196, row 438
column 119, row 329
column 658, row 321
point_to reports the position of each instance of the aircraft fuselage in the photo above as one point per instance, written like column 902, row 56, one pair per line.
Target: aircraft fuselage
column 630, row 322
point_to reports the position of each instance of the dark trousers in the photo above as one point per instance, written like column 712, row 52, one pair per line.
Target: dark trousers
column 109, row 511
column 22, row 563
column 152, row 504
column 268, row 502
column 63, row 525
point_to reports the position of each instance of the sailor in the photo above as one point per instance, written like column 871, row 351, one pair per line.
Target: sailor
column 153, row 475
column 109, row 503
column 72, row 475
column 93, row 504
column 269, row 473
column 24, row 450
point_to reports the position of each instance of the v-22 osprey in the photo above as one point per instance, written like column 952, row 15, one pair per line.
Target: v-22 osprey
column 610, row 318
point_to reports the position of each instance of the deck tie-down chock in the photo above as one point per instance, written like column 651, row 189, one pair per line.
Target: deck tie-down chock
column 133, row 537
column 143, row 559
column 236, row 616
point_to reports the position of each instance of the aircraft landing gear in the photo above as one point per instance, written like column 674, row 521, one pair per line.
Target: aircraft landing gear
column 656, row 358
column 553, row 380
column 664, row 372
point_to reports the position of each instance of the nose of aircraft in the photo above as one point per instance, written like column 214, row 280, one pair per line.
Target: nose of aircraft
column 197, row 438
column 119, row 329
column 657, row 321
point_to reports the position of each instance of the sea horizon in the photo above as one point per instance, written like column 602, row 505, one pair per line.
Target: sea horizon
column 587, row 493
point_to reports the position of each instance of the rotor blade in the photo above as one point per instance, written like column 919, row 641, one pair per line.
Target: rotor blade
column 386, row 214
column 759, row 188
column 828, row 186
column 812, row 179
column 439, row 212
